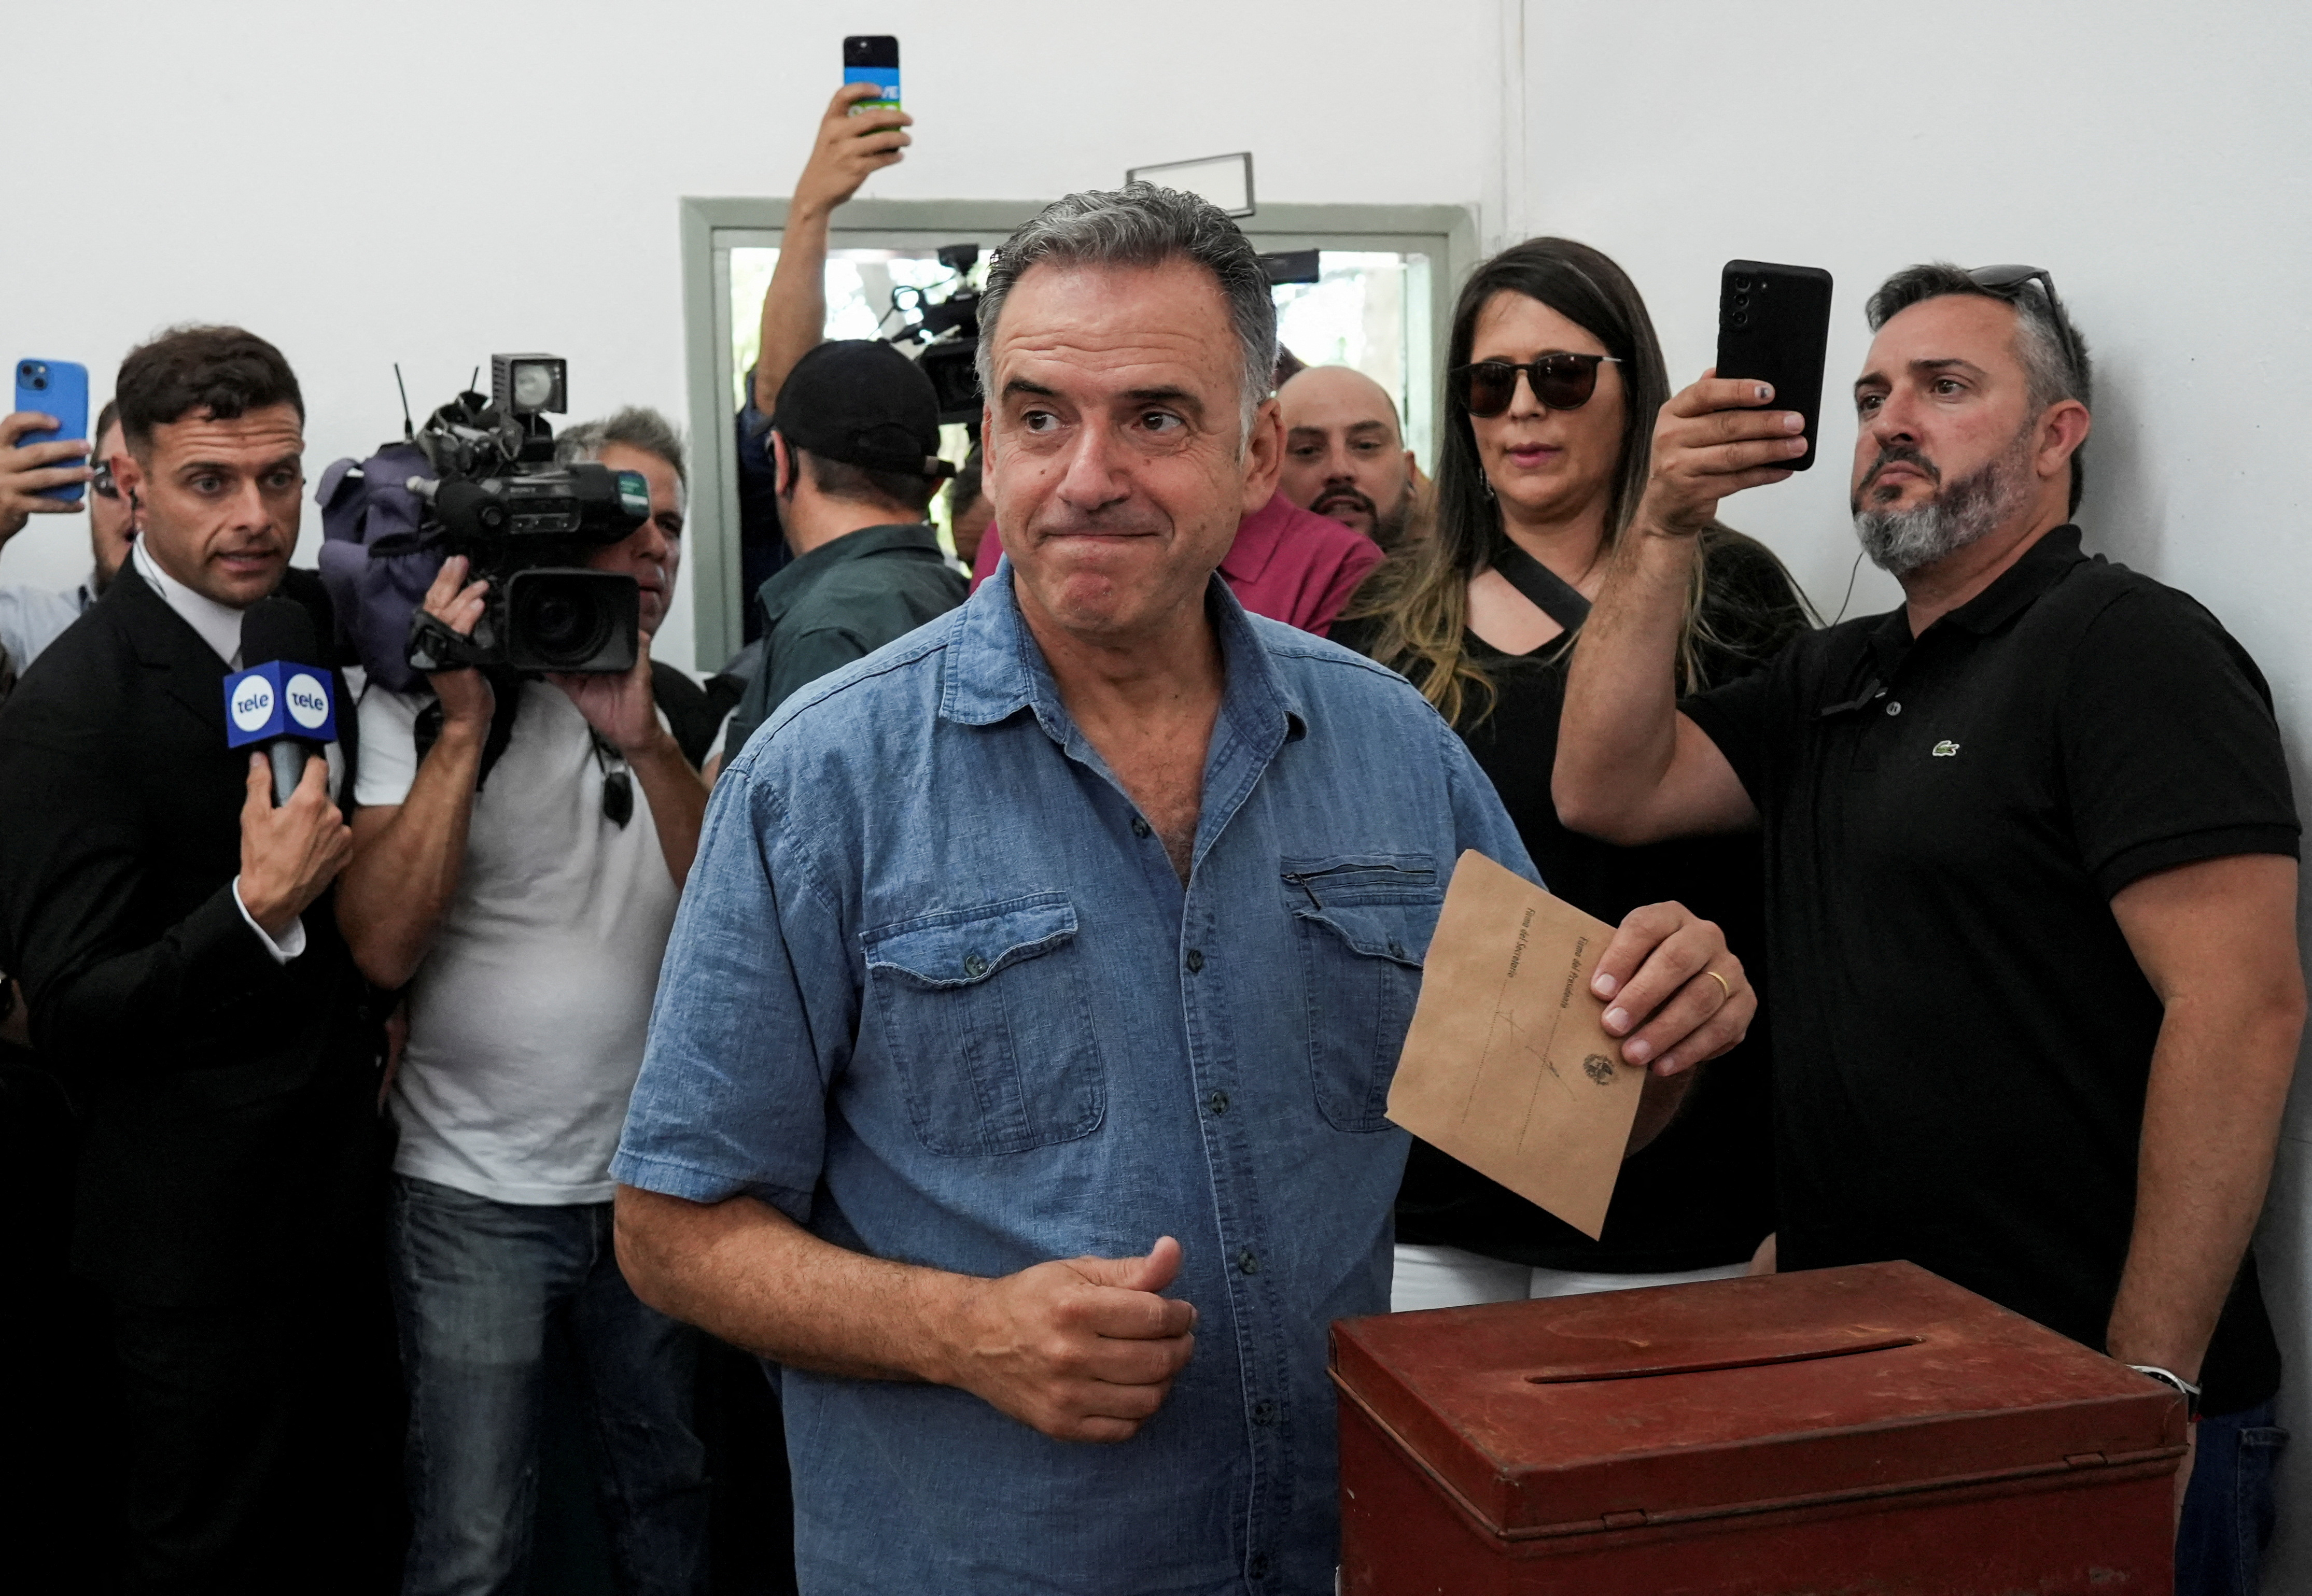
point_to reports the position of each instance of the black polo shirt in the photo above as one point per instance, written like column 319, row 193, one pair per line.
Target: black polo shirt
column 1962, row 1037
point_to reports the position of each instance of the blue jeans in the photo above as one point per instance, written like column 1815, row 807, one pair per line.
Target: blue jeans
column 477, row 1284
column 2227, row 1507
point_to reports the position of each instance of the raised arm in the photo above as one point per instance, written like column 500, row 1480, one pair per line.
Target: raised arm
column 1630, row 767
column 407, row 857
column 848, row 150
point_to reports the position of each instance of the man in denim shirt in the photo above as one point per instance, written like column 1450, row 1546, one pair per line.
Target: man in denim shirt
column 911, row 1048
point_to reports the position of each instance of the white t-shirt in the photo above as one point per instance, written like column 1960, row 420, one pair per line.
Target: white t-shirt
column 527, row 1019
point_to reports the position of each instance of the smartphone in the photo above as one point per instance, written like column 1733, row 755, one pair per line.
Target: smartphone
column 1773, row 325
column 873, row 58
column 57, row 389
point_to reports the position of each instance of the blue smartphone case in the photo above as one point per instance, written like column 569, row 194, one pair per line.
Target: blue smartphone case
column 886, row 78
column 57, row 389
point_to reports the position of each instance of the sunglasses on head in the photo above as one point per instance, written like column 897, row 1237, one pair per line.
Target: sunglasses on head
column 1560, row 382
column 2008, row 282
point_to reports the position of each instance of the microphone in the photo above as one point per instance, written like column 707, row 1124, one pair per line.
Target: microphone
column 275, row 700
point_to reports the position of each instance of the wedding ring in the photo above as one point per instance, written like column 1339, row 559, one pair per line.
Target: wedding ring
column 1721, row 985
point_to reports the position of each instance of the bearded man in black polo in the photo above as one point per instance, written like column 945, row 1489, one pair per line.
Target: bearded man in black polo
column 2031, row 865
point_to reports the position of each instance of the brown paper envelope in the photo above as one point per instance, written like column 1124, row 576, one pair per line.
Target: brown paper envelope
column 1507, row 1067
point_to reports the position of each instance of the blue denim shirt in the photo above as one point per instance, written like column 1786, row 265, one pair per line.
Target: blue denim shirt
column 935, row 992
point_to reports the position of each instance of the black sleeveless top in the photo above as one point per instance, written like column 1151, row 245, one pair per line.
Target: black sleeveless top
column 1703, row 1194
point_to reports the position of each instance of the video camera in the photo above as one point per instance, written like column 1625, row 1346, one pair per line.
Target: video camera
column 949, row 329
column 497, row 498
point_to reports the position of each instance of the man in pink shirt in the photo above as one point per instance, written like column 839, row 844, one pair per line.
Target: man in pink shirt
column 1286, row 563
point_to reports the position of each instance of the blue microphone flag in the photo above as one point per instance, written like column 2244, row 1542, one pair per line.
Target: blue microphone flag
column 279, row 700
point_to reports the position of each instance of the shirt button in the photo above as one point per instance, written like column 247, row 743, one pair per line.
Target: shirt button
column 975, row 966
column 1195, row 960
column 1218, row 1102
column 1894, row 706
column 1263, row 1413
column 1139, row 827
column 1245, row 1261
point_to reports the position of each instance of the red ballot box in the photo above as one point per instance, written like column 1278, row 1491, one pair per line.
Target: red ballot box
column 1874, row 1429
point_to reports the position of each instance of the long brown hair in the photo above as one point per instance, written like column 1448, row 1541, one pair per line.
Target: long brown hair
column 1421, row 601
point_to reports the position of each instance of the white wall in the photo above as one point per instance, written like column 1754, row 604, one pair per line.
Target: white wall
column 2153, row 157
column 352, row 182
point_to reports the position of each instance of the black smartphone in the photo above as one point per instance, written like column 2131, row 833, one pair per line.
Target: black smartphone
column 1774, row 325
column 873, row 58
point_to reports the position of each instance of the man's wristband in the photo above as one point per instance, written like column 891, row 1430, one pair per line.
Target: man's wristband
column 2168, row 1377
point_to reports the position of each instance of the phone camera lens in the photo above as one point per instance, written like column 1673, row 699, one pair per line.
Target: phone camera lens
column 1741, row 284
column 1741, row 301
column 1741, row 318
column 39, row 384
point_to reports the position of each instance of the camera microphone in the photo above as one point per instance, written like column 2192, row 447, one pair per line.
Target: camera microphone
column 273, row 699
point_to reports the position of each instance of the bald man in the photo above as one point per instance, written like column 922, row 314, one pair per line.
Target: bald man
column 1344, row 455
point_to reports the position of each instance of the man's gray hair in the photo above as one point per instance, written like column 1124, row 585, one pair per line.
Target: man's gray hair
column 2054, row 355
column 637, row 426
column 1142, row 225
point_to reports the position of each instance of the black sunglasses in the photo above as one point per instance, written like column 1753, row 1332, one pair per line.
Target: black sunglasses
column 1560, row 382
column 2007, row 281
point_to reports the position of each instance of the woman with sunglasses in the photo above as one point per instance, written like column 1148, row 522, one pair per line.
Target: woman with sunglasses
column 1554, row 380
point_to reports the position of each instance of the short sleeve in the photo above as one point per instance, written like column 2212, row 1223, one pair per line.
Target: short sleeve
column 757, row 1006
column 2170, row 754
column 1738, row 716
column 388, row 746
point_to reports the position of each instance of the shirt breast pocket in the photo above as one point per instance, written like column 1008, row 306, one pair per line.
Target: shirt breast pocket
column 1364, row 923
column 986, row 1016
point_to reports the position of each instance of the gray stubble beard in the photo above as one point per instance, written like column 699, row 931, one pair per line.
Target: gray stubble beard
column 1900, row 540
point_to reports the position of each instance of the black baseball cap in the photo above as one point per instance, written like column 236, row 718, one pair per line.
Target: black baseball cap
column 863, row 403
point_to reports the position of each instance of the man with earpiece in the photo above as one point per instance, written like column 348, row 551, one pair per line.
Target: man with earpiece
column 168, row 912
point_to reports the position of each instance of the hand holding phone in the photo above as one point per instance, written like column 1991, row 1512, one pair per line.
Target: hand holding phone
column 58, row 389
column 42, row 444
column 848, row 151
column 1774, row 325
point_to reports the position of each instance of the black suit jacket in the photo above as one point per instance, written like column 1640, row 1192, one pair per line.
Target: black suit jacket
column 233, row 1142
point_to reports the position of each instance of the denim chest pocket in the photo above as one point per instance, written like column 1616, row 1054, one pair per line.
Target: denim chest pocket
column 1362, row 922
column 988, row 1025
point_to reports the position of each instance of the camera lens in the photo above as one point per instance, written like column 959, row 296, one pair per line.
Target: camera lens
column 1741, row 301
column 570, row 620
column 1741, row 318
column 565, row 629
column 557, row 626
column 1741, row 284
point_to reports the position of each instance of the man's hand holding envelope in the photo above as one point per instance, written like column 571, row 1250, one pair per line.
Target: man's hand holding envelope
column 1548, row 1045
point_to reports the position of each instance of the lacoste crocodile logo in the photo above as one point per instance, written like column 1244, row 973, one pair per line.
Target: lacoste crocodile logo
column 1946, row 749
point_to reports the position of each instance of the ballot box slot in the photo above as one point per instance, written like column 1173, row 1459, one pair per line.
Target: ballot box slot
column 1580, row 1374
